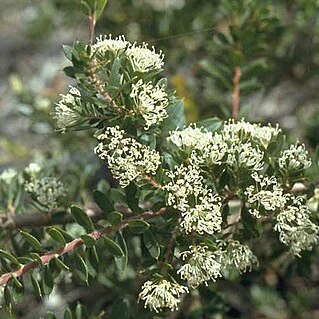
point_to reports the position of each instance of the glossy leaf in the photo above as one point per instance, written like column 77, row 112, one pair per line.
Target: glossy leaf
column 138, row 226
column 151, row 244
column 56, row 235
column 113, row 248
column 82, row 218
column 31, row 240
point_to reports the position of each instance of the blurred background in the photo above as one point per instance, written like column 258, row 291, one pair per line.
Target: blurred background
column 274, row 43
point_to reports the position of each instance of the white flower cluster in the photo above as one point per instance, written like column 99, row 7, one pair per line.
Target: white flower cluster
column 209, row 148
column 190, row 138
column 200, row 208
column 8, row 175
column 215, row 150
column 220, row 147
column 47, row 190
column 201, row 267
column 294, row 225
column 106, row 43
column 266, row 195
column 65, row 111
column 236, row 255
column 141, row 57
column 150, row 102
column 128, row 159
column 295, row 158
column 295, row 228
column 242, row 130
column 159, row 294
column 244, row 155
column 33, row 169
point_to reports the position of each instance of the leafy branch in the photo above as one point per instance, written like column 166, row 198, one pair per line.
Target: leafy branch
column 96, row 235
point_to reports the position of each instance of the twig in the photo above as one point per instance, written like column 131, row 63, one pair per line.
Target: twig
column 152, row 181
column 92, row 23
column 236, row 92
column 38, row 219
column 93, row 67
column 97, row 234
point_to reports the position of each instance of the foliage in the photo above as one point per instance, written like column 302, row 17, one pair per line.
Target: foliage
column 189, row 203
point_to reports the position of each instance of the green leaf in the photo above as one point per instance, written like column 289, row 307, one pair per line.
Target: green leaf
column 61, row 265
column 115, row 218
column 56, row 235
column 121, row 262
column 138, row 226
column 121, row 308
column 151, row 244
column 132, row 197
column 67, row 51
column 211, row 124
column 7, row 296
column 86, row 6
column 250, row 223
column 64, row 233
column 68, row 314
column 17, row 286
column 31, row 240
column 103, row 201
column 115, row 76
column 89, row 241
column 82, row 218
column 36, row 287
column 50, row 315
column 113, row 247
column 93, row 7
column 69, row 71
column 99, row 8
column 80, row 312
column 47, row 280
column 81, row 268
column 176, row 117
column 118, row 196
column 6, row 255
column 36, row 257
column 93, row 258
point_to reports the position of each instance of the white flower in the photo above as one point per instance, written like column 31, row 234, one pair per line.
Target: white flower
column 106, row 43
column 201, row 266
column 65, row 112
column 33, row 169
column 242, row 130
column 205, row 217
column 295, row 227
column 185, row 181
column 162, row 294
column 295, row 158
column 200, row 209
column 237, row 255
column 150, row 102
column 244, row 155
column 127, row 158
column 143, row 59
column 191, row 137
column 265, row 195
column 215, row 151
column 8, row 175
column 47, row 190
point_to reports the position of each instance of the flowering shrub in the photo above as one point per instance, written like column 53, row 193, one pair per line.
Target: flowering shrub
column 178, row 183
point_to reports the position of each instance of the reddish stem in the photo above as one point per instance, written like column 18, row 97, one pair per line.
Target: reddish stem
column 97, row 234
column 91, row 27
column 236, row 92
